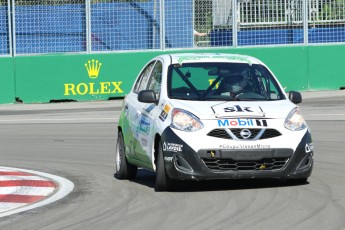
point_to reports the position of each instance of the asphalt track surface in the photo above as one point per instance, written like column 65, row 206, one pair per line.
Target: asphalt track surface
column 77, row 141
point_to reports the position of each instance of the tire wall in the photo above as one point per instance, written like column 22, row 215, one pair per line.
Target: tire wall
column 40, row 79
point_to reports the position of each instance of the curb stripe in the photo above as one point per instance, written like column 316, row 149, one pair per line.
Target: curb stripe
column 8, row 173
column 20, row 198
column 5, row 178
column 27, row 190
column 32, row 183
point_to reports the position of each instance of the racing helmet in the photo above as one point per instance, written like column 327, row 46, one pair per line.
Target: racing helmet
column 234, row 83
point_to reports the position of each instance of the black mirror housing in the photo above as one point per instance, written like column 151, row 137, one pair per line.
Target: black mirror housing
column 295, row 97
column 147, row 96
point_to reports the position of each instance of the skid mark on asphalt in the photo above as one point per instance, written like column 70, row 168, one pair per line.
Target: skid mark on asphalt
column 21, row 189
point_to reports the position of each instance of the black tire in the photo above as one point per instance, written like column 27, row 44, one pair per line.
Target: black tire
column 123, row 169
column 163, row 182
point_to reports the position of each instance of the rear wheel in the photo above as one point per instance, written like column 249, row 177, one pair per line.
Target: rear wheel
column 163, row 182
column 123, row 169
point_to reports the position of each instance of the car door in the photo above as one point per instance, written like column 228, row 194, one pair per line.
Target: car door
column 148, row 113
column 151, row 111
column 134, row 121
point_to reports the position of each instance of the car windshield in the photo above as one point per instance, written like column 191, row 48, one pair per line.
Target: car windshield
column 222, row 82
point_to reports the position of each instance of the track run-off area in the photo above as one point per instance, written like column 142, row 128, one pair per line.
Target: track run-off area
column 76, row 141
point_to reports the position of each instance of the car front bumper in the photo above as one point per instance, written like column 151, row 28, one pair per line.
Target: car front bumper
column 184, row 163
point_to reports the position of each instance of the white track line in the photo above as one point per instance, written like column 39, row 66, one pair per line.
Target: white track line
column 27, row 190
column 7, row 178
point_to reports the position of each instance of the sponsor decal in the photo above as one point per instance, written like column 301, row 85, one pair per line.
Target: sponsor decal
column 237, row 108
column 93, row 68
column 149, row 108
column 242, row 122
column 172, row 147
column 143, row 141
column 144, row 126
column 245, row 146
column 309, row 147
column 163, row 116
column 166, row 108
column 168, row 159
column 201, row 57
column 165, row 111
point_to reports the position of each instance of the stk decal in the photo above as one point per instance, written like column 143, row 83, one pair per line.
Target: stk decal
column 237, row 108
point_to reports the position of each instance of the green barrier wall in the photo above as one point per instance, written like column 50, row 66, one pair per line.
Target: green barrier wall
column 7, row 80
column 326, row 67
column 65, row 77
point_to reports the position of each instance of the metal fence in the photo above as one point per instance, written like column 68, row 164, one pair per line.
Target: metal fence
column 87, row 26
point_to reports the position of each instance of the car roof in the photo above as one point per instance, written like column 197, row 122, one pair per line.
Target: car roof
column 181, row 58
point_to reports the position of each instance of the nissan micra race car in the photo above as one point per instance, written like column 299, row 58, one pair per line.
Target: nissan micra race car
column 211, row 116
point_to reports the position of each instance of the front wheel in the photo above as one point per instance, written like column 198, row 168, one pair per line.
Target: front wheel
column 163, row 182
column 123, row 169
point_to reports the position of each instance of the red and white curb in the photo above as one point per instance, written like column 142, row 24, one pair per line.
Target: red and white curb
column 22, row 189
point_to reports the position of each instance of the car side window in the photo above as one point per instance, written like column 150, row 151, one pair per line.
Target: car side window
column 143, row 78
column 156, row 78
column 266, row 86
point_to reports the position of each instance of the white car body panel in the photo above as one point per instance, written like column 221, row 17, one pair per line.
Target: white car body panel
column 148, row 121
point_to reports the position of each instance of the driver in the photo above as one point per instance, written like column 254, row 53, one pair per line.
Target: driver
column 234, row 84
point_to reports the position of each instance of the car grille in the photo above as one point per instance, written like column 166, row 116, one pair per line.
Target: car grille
column 258, row 134
column 270, row 164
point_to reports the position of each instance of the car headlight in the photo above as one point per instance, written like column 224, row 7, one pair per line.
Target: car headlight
column 295, row 121
column 185, row 121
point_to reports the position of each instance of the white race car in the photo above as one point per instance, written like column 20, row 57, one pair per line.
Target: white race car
column 211, row 116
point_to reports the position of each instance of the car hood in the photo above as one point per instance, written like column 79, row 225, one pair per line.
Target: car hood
column 230, row 109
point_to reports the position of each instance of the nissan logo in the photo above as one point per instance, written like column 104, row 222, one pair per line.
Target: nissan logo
column 245, row 133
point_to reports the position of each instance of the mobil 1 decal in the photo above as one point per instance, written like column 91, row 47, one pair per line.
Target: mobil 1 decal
column 242, row 122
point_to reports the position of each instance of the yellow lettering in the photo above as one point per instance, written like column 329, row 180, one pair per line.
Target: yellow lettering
column 117, row 87
column 91, row 89
column 82, row 85
column 105, row 87
column 69, row 88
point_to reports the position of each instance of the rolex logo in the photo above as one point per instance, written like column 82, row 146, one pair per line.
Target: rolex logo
column 93, row 88
column 93, row 68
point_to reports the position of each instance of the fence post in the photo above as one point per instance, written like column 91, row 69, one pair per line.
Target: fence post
column 88, row 25
column 162, row 29
column 234, row 23
column 154, row 27
column 12, row 21
column 9, row 22
column 305, row 22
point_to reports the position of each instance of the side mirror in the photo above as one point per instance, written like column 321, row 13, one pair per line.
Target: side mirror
column 295, row 97
column 147, row 96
